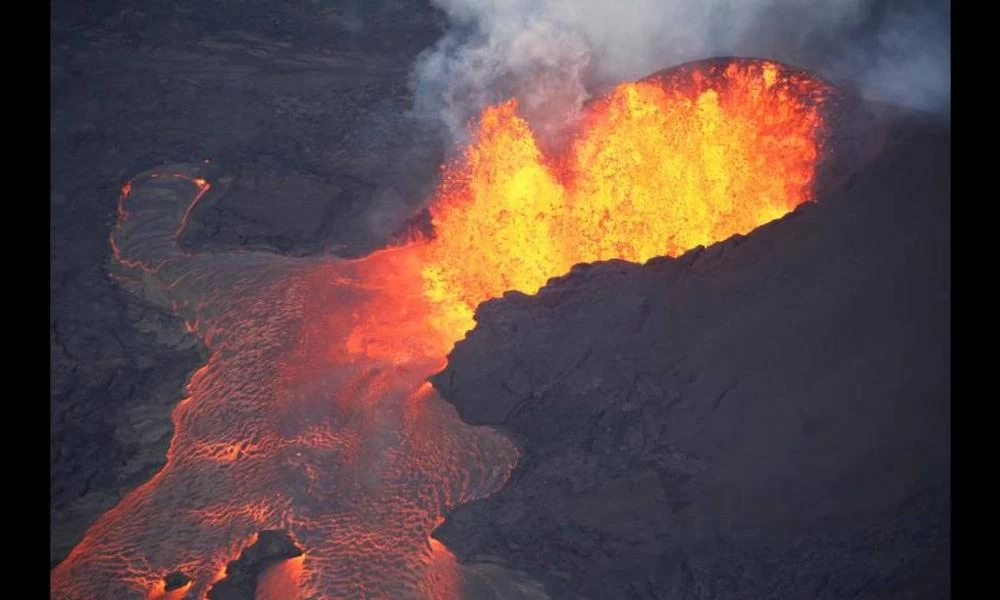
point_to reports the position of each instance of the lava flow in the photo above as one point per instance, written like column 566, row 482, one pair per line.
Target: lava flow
column 313, row 413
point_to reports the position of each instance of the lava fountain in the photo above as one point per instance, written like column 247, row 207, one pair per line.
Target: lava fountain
column 689, row 156
column 313, row 413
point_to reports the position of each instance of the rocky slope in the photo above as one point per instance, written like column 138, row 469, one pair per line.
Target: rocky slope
column 765, row 418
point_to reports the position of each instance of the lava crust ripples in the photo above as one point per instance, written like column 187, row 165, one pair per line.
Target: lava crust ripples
column 289, row 425
column 313, row 413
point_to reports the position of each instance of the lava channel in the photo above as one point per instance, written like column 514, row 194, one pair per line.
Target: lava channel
column 313, row 413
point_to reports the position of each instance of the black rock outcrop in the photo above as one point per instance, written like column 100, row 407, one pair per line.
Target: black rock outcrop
column 240, row 582
column 175, row 580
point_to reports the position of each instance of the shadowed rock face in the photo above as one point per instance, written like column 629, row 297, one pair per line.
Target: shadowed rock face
column 768, row 417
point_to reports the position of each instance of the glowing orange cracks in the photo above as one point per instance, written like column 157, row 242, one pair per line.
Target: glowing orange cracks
column 655, row 168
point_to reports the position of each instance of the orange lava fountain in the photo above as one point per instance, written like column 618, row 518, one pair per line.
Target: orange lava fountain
column 313, row 413
column 658, row 167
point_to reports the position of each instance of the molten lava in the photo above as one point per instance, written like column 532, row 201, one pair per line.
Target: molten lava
column 313, row 413
column 656, row 168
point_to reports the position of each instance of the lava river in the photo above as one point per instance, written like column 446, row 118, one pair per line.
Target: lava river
column 313, row 413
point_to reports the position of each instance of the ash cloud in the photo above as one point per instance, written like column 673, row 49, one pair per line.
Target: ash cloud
column 553, row 54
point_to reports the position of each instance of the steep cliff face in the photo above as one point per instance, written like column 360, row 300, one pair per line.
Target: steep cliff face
column 767, row 417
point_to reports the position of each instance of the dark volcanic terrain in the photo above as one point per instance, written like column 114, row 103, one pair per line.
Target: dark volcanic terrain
column 765, row 418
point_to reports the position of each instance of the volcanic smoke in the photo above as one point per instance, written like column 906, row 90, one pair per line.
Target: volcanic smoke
column 313, row 413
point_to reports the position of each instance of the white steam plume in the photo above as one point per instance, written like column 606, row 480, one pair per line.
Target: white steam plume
column 553, row 54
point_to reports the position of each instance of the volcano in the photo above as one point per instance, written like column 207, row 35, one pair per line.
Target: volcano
column 313, row 414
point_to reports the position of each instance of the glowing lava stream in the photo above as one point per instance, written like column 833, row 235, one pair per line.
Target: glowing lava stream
column 313, row 413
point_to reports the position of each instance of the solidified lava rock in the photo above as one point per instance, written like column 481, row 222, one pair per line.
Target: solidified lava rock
column 767, row 417
column 240, row 582
column 175, row 580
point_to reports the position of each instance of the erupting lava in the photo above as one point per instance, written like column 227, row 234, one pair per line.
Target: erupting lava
column 685, row 158
column 313, row 413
